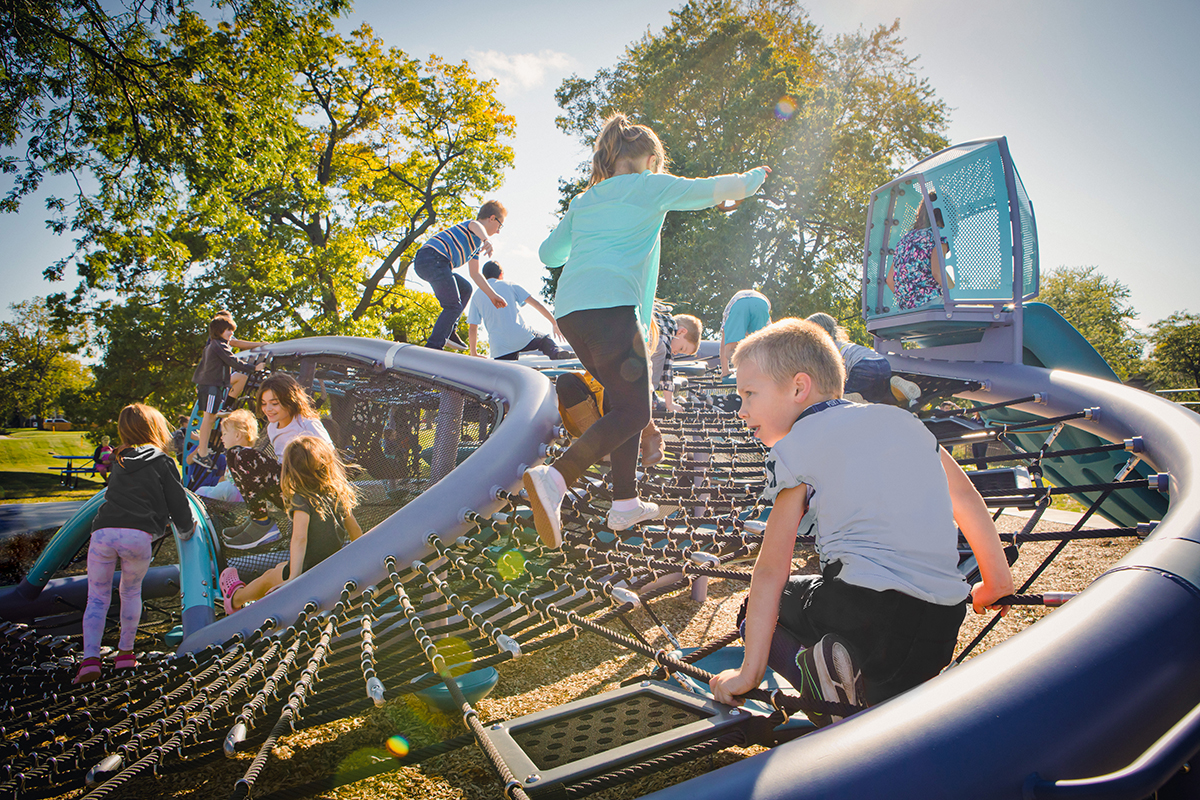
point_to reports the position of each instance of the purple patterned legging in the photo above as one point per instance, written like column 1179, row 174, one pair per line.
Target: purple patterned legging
column 107, row 545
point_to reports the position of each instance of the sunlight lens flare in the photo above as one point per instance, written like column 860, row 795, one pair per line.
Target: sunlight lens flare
column 785, row 109
column 397, row 746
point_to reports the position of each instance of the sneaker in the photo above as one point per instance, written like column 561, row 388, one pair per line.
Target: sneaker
column 905, row 391
column 455, row 342
column 621, row 520
column 250, row 534
column 208, row 461
column 229, row 583
column 830, row 674
column 545, row 499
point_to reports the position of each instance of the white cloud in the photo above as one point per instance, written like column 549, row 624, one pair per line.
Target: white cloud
column 519, row 72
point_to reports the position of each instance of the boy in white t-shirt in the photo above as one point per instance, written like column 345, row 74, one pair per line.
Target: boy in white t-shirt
column 884, row 614
column 508, row 333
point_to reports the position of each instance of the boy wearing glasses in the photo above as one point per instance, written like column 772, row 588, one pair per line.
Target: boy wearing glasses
column 447, row 251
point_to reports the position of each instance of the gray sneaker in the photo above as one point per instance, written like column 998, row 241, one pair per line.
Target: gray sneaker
column 830, row 674
column 621, row 520
column 250, row 534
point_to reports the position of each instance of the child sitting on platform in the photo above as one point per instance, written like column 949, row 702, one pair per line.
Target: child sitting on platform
column 886, row 498
column 321, row 503
column 256, row 476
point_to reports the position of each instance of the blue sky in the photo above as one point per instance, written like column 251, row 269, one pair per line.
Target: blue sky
column 1100, row 101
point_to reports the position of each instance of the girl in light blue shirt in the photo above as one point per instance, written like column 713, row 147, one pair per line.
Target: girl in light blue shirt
column 608, row 246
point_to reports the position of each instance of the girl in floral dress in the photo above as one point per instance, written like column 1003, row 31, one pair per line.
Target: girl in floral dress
column 915, row 278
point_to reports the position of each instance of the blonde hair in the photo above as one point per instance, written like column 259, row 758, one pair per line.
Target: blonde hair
column 312, row 469
column 140, row 424
column 835, row 331
column 789, row 346
column 244, row 423
column 621, row 139
column 690, row 327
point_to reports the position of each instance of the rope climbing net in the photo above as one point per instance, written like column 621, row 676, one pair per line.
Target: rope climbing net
column 490, row 596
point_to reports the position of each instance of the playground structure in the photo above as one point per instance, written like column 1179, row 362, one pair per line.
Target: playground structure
column 1102, row 685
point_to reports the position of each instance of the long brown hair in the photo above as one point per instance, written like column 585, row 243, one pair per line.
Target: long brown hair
column 140, row 424
column 312, row 469
column 622, row 139
column 289, row 394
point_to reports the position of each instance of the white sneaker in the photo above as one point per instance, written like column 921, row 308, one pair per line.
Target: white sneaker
column 621, row 520
column 545, row 499
column 905, row 391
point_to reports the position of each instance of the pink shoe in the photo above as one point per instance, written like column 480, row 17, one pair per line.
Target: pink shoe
column 125, row 661
column 89, row 670
column 229, row 583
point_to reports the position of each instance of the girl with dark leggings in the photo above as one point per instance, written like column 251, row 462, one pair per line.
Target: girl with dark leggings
column 608, row 246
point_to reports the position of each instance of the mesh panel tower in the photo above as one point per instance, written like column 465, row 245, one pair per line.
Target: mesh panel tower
column 975, row 202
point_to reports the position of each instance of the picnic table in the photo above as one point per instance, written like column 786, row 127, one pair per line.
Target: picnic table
column 76, row 466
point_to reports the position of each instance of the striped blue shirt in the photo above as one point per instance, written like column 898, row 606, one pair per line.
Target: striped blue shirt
column 457, row 243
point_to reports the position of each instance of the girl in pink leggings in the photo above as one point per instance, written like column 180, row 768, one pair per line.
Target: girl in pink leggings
column 144, row 491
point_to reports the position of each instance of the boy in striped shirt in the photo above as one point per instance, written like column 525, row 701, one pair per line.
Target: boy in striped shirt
column 447, row 251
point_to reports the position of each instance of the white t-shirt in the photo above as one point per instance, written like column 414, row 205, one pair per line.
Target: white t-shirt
column 507, row 331
column 299, row 426
column 878, row 493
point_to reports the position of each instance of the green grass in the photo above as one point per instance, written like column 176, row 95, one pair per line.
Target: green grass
column 27, row 461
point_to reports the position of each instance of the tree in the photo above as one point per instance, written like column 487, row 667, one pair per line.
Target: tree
column 1099, row 309
column 36, row 363
column 261, row 163
column 1175, row 357
column 730, row 85
column 305, row 200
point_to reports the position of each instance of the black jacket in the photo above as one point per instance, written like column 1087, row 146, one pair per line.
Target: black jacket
column 215, row 363
column 144, row 490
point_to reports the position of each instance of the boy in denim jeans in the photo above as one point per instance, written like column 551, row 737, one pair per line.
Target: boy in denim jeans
column 447, row 251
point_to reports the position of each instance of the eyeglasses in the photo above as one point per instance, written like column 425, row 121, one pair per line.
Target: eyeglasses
column 499, row 223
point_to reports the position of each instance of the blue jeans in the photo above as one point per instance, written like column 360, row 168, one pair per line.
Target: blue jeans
column 872, row 378
column 452, row 291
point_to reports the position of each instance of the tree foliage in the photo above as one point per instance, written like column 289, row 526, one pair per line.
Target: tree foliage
column 730, row 85
column 1175, row 353
column 1100, row 310
column 37, row 364
column 260, row 162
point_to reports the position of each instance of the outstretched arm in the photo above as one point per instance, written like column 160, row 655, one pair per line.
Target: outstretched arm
column 771, row 571
column 545, row 312
column 300, row 520
column 472, row 338
column 971, row 515
column 484, row 286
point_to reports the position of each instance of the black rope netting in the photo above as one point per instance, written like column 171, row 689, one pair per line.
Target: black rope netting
column 496, row 593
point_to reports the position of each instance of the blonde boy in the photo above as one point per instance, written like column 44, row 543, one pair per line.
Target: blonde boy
column 884, row 613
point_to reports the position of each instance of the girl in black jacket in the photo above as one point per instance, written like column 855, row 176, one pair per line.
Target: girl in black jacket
column 143, row 492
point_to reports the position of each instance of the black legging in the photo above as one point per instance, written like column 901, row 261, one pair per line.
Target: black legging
column 609, row 344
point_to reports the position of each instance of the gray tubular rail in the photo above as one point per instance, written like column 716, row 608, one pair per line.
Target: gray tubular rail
column 530, row 414
column 1086, row 692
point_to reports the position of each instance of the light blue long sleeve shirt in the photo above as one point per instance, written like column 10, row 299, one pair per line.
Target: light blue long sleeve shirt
column 608, row 241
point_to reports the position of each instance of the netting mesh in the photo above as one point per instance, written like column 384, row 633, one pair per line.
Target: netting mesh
column 1029, row 261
